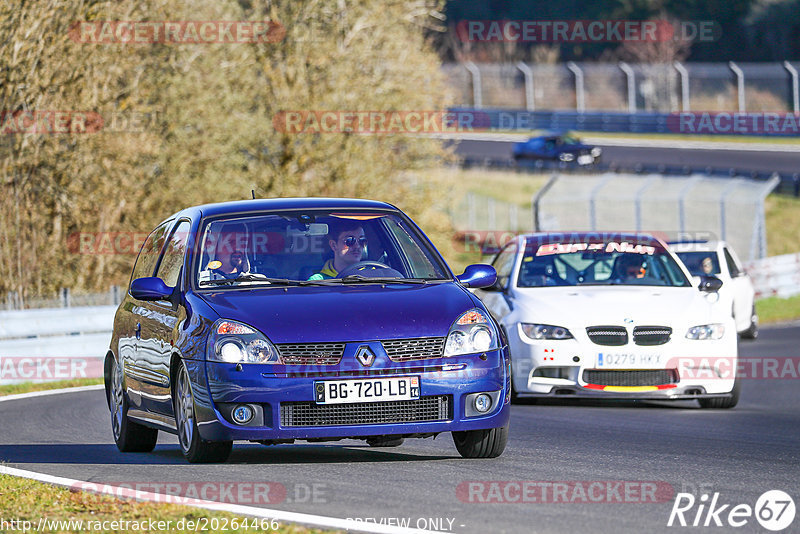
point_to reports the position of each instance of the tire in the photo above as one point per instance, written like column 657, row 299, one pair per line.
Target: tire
column 128, row 435
column 194, row 448
column 385, row 441
column 752, row 331
column 481, row 443
column 724, row 403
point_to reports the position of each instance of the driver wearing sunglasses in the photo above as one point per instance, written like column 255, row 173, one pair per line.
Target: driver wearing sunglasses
column 348, row 244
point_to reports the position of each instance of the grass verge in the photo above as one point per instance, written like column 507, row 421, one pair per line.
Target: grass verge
column 28, row 387
column 28, row 500
column 776, row 309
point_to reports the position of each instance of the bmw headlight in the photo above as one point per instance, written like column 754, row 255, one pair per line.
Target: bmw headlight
column 566, row 156
column 596, row 151
column 545, row 331
column 234, row 342
column 472, row 333
column 706, row 331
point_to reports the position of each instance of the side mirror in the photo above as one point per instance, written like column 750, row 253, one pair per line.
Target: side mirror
column 478, row 275
column 150, row 288
column 709, row 284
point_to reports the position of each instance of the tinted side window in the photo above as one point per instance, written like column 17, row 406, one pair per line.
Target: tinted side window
column 148, row 256
column 734, row 270
column 172, row 261
column 504, row 263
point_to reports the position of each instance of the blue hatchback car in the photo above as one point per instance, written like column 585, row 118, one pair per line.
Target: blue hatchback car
column 303, row 319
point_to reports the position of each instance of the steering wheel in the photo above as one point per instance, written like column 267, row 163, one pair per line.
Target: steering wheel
column 362, row 265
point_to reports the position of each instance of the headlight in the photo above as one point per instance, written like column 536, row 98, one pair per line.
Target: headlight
column 233, row 342
column 545, row 331
column 706, row 331
column 596, row 151
column 472, row 333
column 566, row 156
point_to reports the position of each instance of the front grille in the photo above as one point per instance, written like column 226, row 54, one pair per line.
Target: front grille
column 645, row 377
column 612, row 336
column 311, row 353
column 366, row 413
column 651, row 335
column 421, row 348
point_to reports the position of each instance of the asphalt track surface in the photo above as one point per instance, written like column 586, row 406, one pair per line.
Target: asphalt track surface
column 740, row 453
column 629, row 157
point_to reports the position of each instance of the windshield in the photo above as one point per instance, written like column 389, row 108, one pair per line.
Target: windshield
column 314, row 247
column 700, row 263
column 598, row 263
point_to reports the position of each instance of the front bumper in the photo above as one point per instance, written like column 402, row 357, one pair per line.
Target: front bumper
column 269, row 387
column 680, row 369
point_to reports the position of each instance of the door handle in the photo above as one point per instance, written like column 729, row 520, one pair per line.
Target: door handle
column 138, row 330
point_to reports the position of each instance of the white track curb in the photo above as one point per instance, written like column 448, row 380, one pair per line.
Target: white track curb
column 266, row 513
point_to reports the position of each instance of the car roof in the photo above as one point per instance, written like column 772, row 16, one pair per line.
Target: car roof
column 276, row 204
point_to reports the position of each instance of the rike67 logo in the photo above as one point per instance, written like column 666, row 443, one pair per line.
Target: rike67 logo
column 774, row 510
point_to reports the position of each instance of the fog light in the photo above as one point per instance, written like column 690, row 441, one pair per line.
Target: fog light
column 483, row 403
column 242, row 414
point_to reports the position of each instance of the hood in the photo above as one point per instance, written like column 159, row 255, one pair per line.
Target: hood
column 345, row 313
column 616, row 305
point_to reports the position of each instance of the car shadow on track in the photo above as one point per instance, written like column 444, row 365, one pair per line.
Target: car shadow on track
column 79, row 453
column 607, row 403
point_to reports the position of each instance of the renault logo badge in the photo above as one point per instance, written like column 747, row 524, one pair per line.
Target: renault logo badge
column 365, row 355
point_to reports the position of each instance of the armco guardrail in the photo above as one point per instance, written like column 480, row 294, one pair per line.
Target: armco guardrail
column 621, row 122
column 777, row 276
column 54, row 344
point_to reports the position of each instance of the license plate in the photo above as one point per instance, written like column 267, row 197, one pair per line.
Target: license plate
column 585, row 159
column 369, row 390
column 614, row 360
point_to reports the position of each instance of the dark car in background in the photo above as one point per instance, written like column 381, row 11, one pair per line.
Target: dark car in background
column 556, row 147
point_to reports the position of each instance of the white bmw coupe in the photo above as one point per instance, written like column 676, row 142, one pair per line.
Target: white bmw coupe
column 611, row 315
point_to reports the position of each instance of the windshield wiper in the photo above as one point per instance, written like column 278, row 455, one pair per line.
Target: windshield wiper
column 266, row 280
column 358, row 278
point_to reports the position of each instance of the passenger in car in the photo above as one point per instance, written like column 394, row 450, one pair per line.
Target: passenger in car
column 348, row 245
column 227, row 265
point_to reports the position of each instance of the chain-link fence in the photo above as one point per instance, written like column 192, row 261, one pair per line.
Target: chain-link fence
column 752, row 87
column 694, row 207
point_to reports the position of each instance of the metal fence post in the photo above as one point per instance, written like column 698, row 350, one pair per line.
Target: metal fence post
column 115, row 295
column 580, row 99
column 491, row 214
column 477, row 90
column 684, row 74
column 65, row 297
column 528, row 73
column 723, row 209
column 682, row 203
column 537, row 198
column 795, row 86
column 592, row 195
column 630, row 75
column 739, row 84
column 638, row 200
